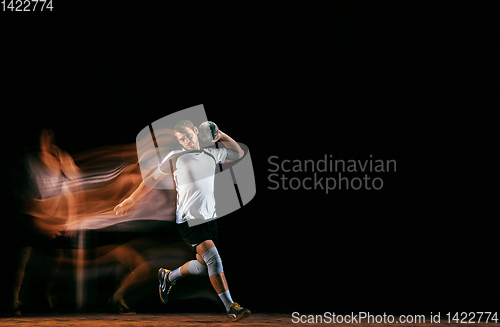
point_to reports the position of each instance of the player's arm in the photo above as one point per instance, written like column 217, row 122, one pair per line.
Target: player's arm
column 146, row 185
column 234, row 152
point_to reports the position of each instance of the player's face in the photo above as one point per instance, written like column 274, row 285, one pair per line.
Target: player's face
column 188, row 139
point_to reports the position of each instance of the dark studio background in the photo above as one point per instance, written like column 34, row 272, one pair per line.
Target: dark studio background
column 410, row 81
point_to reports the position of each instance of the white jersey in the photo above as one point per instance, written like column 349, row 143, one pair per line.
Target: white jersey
column 193, row 173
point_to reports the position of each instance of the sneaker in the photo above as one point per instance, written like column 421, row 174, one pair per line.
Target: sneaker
column 165, row 284
column 237, row 312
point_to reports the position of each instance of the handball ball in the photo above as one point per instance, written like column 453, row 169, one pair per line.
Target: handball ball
column 208, row 131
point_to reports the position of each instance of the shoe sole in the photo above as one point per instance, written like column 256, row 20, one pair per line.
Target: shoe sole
column 243, row 315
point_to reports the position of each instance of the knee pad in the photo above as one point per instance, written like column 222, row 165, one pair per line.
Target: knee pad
column 213, row 261
column 196, row 268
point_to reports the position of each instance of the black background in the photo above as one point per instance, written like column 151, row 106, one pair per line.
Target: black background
column 409, row 81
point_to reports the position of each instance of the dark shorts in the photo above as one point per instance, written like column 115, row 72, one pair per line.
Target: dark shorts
column 199, row 233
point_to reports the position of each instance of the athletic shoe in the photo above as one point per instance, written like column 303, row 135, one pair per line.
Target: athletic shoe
column 165, row 284
column 237, row 312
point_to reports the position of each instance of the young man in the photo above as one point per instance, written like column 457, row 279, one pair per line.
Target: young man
column 193, row 169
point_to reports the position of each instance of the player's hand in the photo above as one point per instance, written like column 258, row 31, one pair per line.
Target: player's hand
column 124, row 207
column 220, row 134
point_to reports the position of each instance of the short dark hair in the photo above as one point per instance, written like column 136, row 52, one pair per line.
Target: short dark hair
column 183, row 125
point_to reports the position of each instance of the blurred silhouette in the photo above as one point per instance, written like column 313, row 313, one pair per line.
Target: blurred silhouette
column 68, row 237
column 45, row 194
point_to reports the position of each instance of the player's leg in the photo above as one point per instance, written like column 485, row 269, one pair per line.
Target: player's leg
column 23, row 259
column 139, row 271
column 208, row 251
column 214, row 267
column 203, row 240
column 192, row 236
column 194, row 267
column 53, row 258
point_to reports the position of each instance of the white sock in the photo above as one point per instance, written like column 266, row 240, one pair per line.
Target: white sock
column 174, row 275
column 226, row 299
